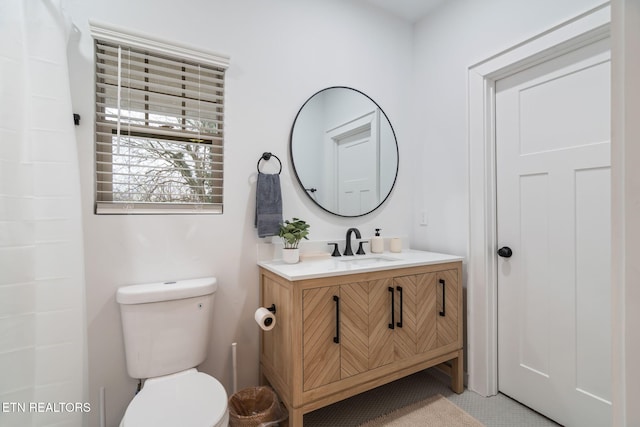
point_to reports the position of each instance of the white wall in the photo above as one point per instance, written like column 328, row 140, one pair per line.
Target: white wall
column 455, row 36
column 282, row 51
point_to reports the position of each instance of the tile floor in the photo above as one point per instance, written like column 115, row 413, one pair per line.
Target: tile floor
column 495, row 411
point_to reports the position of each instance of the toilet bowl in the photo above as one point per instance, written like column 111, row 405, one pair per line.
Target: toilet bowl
column 185, row 399
column 167, row 329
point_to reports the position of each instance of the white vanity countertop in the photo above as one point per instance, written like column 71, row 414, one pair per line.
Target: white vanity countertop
column 337, row 266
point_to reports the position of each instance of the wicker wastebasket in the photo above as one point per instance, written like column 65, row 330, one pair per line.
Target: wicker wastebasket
column 255, row 407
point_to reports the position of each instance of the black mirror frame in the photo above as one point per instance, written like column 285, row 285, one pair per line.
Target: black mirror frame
column 293, row 163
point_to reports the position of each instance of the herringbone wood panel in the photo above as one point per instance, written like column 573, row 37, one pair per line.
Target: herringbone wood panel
column 448, row 325
column 354, row 329
column 321, row 356
column 380, row 336
column 366, row 341
column 405, row 336
column 427, row 330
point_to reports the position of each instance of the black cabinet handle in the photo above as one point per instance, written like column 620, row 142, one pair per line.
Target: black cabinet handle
column 399, row 289
column 442, row 313
column 336, row 339
column 392, row 325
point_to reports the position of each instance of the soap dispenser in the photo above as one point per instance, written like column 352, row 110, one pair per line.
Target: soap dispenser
column 377, row 243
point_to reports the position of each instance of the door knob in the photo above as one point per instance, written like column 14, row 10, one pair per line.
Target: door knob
column 505, row 252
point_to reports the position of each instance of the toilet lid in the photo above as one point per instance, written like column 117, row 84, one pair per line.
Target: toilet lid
column 185, row 399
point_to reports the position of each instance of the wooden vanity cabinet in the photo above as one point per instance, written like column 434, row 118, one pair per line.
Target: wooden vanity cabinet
column 339, row 336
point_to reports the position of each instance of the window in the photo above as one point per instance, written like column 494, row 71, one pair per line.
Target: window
column 159, row 126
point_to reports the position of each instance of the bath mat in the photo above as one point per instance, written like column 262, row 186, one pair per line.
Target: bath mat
column 436, row 411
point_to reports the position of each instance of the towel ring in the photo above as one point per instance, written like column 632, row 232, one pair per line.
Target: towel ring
column 267, row 156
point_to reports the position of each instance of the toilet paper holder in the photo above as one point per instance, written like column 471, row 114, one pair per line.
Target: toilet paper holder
column 266, row 317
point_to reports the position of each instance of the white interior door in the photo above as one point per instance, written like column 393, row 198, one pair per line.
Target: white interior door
column 357, row 172
column 553, row 192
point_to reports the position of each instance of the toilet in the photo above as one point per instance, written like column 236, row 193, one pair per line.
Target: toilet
column 166, row 328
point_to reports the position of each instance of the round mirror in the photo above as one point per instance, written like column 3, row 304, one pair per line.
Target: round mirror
column 344, row 151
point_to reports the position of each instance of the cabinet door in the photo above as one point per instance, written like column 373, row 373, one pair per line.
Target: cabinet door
column 427, row 323
column 354, row 329
column 448, row 294
column 405, row 332
column 335, row 333
column 394, row 316
column 381, row 350
column 320, row 352
column 437, row 301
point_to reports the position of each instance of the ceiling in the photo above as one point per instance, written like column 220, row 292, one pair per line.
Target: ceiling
column 411, row 10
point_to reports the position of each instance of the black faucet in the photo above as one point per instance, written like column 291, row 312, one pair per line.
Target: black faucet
column 347, row 249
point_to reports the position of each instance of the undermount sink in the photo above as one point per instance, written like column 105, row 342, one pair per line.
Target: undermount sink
column 366, row 259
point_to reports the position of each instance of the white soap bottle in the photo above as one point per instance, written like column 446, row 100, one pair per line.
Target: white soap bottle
column 377, row 243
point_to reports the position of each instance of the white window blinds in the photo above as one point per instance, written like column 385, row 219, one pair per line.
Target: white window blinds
column 159, row 132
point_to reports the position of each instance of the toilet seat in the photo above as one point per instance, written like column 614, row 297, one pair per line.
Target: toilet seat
column 187, row 399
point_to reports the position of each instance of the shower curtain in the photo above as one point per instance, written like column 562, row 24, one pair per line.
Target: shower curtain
column 42, row 314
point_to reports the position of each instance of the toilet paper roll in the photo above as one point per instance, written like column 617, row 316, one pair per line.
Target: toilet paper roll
column 265, row 318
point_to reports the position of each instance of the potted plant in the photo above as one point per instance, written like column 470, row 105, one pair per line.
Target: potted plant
column 292, row 232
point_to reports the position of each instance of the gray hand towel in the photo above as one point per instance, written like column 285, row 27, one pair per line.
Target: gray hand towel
column 268, row 205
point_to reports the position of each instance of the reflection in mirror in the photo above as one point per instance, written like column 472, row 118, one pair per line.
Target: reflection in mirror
column 344, row 151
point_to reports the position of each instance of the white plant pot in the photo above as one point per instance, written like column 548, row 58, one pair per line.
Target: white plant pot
column 291, row 256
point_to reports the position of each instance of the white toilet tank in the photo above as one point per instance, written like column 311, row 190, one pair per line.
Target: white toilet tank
column 166, row 325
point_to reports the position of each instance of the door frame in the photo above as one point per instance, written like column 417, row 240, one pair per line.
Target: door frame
column 482, row 273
